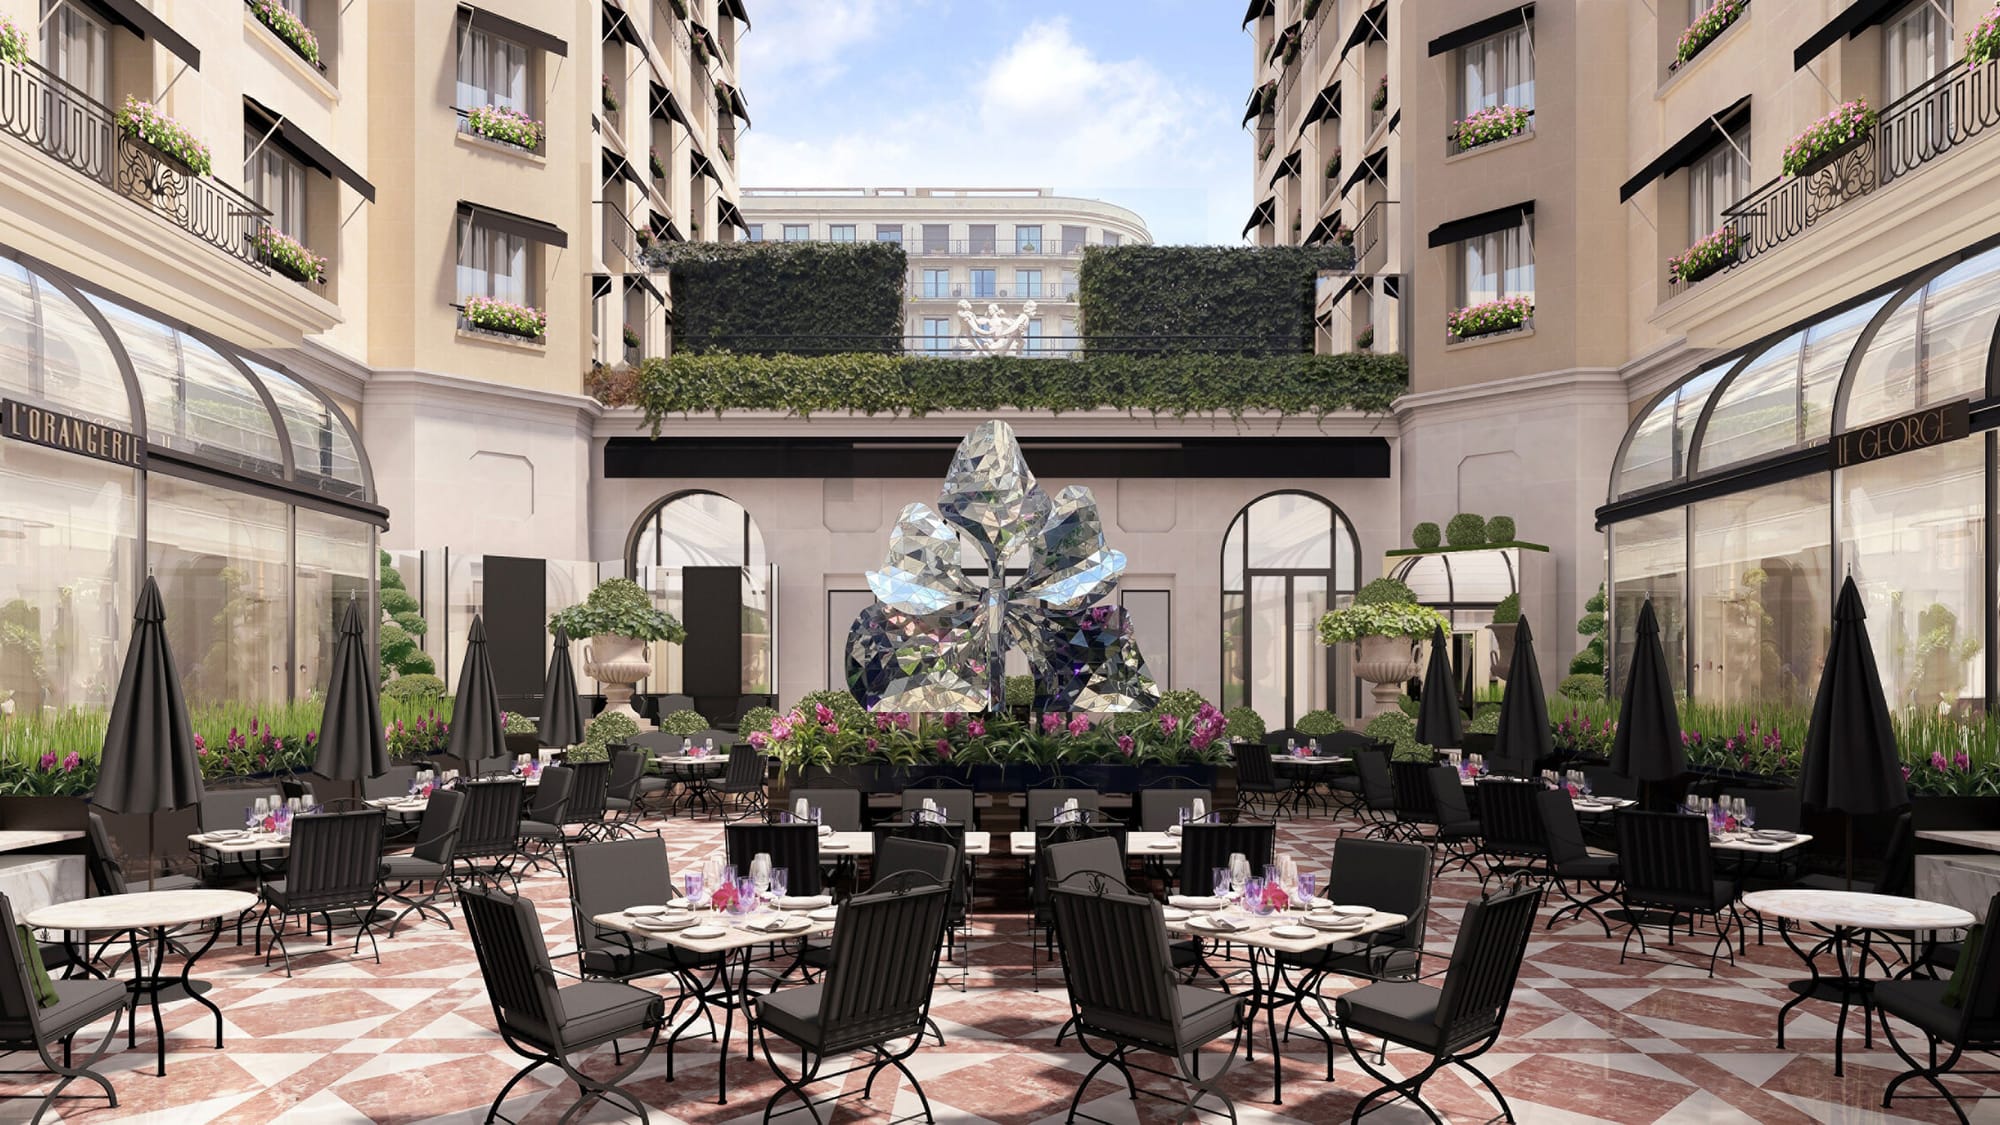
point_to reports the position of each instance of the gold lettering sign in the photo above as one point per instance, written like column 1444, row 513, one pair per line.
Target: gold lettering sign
column 26, row 422
column 1928, row 427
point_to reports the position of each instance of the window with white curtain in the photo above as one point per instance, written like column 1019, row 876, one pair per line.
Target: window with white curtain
column 1716, row 181
column 1916, row 47
column 492, row 264
column 276, row 181
column 1501, row 264
column 1498, row 70
column 491, row 70
column 75, row 46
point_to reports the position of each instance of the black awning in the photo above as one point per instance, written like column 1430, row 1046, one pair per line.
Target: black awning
column 1324, row 104
column 1490, row 26
column 1374, row 164
column 734, row 9
column 1392, row 286
column 1395, row 119
column 1289, row 166
column 641, row 281
column 1354, row 281
column 600, row 285
column 726, row 212
column 1256, row 103
column 300, row 144
column 736, row 104
column 1852, row 21
column 1324, row 230
column 663, row 226
column 514, row 29
column 667, row 106
column 1486, row 222
column 507, row 222
column 1261, row 215
column 701, row 166
column 1374, row 26
column 1684, row 151
column 1258, row 10
column 619, row 25
column 1278, row 44
column 141, row 21
column 617, row 167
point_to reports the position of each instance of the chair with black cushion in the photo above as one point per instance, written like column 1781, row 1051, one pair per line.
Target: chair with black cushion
column 1055, row 835
column 1257, row 781
column 839, row 809
column 1126, row 996
column 335, row 867
column 223, row 809
column 499, row 765
column 1458, row 830
column 428, row 862
column 1961, row 1014
column 1160, row 806
column 958, row 911
column 1898, row 874
column 394, row 782
column 589, row 796
column 27, row 1025
column 794, row 847
column 107, row 875
column 489, row 830
column 1416, row 811
column 1666, row 867
column 926, row 857
column 1044, row 802
column 743, row 780
column 1510, row 827
column 621, row 790
column 540, row 832
column 1607, row 782
column 958, row 803
column 1205, row 847
column 875, row 994
column 1453, row 1023
column 1570, row 860
column 550, row 1023
column 610, row 876
column 1350, row 745
column 1097, row 853
column 1378, row 793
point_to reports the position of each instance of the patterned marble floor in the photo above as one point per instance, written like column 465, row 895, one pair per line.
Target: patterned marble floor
column 411, row 1041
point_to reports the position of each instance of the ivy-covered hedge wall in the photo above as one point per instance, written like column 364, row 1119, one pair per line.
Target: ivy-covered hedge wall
column 764, row 297
column 1206, row 294
column 917, row 385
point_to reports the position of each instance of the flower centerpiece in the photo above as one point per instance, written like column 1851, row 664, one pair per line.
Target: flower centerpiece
column 289, row 256
column 13, row 44
column 1494, row 123
column 1824, row 140
column 1503, row 315
column 287, row 27
column 1709, row 254
column 143, row 122
column 1713, row 21
column 506, row 125
column 1982, row 43
column 620, row 620
column 1382, row 622
column 495, row 315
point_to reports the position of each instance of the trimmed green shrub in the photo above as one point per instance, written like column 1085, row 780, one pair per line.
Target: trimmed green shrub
column 1401, row 730
column 756, row 718
column 1259, row 295
column 1465, row 530
column 1319, row 724
column 1508, row 612
column 1180, row 704
column 1020, row 691
column 1385, row 591
column 618, row 607
column 1242, row 724
column 1582, row 688
column 418, row 686
column 1500, row 529
column 1486, row 721
column 1425, row 536
column 1590, row 624
column 607, row 728
column 765, row 298
column 396, row 645
column 684, row 722
column 1590, row 661
column 513, row 722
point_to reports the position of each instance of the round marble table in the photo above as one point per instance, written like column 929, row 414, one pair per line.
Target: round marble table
column 154, row 912
column 1845, row 916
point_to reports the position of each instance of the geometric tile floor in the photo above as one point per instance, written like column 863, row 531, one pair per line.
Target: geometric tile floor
column 411, row 1041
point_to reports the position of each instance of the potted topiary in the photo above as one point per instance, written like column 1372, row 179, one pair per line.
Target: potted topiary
column 1384, row 621
column 1506, row 618
column 521, row 732
column 1425, row 536
column 1465, row 530
column 620, row 621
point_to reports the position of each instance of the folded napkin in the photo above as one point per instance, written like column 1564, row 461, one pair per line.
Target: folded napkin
column 802, row 902
column 778, row 924
column 1193, row 902
column 1219, row 923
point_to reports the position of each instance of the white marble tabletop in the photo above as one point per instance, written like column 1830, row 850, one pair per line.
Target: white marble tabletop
column 1308, row 761
column 1985, row 841
column 141, row 909
column 1163, row 844
column 689, row 763
column 242, row 844
column 735, row 933
column 863, row 843
column 1749, row 842
column 1257, row 931
column 1858, row 909
column 18, row 839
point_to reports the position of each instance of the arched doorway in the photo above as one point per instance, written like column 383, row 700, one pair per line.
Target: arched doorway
column 1287, row 559
column 701, row 557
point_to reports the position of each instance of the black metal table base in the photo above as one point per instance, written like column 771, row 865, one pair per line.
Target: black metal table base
column 157, row 986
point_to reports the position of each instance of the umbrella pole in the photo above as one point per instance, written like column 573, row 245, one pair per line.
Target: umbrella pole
column 152, row 864
column 1850, row 851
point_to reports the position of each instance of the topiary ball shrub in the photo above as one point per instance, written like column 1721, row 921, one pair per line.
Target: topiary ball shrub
column 1425, row 536
column 1319, row 724
column 1241, row 724
column 1180, row 704
column 604, row 730
column 756, row 718
column 618, row 607
column 686, row 722
column 1500, row 529
column 1582, row 688
column 1385, row 591
column 1465, row 530
column 1508, row 612
column 418, row 686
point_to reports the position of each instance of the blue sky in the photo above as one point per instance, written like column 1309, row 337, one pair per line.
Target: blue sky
column 1132, row 101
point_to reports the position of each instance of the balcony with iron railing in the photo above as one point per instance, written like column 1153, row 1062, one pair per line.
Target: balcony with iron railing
column 971, row 291
column 1371, row 237
column 1922, row 127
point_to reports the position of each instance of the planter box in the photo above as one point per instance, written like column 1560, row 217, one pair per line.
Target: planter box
column 55, row 814
column 1942, row 812
column 281, row 266
column 161, row 156
column 1830, row 157
column 505, row 333
column 519, row 744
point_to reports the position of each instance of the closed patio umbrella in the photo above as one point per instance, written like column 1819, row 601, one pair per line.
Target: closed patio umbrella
column 149, row 763
column 476, row 732
column 1524, row 737
column 1439, row 723
column 352, row 745
column 1850, row 763
column 1647, row 747
column 562, row 712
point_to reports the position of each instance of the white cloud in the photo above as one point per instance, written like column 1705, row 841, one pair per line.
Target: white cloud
column 804, row 45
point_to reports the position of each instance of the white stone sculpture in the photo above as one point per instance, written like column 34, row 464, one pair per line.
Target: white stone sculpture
column 995, row 333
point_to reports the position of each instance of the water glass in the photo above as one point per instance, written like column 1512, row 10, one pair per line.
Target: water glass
column 1749, row 817
column 1292, row 747
column 1221, row 882
column 1271, row 874
column 760, row 870
column 1308, row 883
column 1313, row 747
column 815, row 817
column 1183, row 810
column 251, row 819
column 746, row 896
column 1239, row 869
column 1253, row 897
column 691, row 884
column 729, row 873
column 781, row 881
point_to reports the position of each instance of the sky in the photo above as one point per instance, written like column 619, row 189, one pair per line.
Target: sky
column 1136, row 102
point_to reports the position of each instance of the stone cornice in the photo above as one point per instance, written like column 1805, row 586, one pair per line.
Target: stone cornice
column 1568, row 387
column 416, row 388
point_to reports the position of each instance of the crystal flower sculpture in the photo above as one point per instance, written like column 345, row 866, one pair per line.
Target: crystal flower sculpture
column 938, row 635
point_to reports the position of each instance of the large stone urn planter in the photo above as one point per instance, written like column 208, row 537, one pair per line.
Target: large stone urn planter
column 1388, row 663
column 618, row 663
column 1503, row 648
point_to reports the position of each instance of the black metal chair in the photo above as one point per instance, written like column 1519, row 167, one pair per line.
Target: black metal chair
column 1126, row 996
column 958, row 913
column 621, row 790
column 1665, row 863
column 1453, row 1023
column 1378, row 793
column 428, row 862
column 489, row 830
column 959, row 804
column 1351, row 745
column 794, row 847
column 394, row 782
column 107, row 876
column 1973, row 1024
column 939, row 862
column 1257, row 781
column 876, row 991
column 1097, row 853
column 1160, row 806
column 1039, row 881
column 1044, row 802
column 1205, row 847
column 839, row 809
column 496, row 766
column 1458, row 830
column 335, row 867
column 545, row 1021
column 1898, row 875
column 25, row 1025
column 743, row 780
column 609, row 876
column 540, row 828
column 589, row 801
column 1392, row 877
column 222, row 809
column 1510, row 821
column 1415, row 808
column 1570, row 861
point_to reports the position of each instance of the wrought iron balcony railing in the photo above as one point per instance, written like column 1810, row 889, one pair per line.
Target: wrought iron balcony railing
column 1922, row 126
column 77, row 130
column 1371, row 243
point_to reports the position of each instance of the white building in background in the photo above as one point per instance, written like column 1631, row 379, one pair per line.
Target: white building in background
column 984, row 246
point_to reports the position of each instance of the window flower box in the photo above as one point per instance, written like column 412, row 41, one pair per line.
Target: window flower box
column 632, row 340
column 1494, row 123
column 1380, row 101
column 1264, row 153
column 658, row 166
column 1713, row 21
column 699, row 48
column 491, row 314
column 1333, row 165
column 289, row 28
column 1504, row 315
column 13, row 44
column 508, row 126
column 1709, row 254
column 1982, row 43
column 1364, row 339
column 610, row 99
column 290, row 257
column 143, row 122
column 1829, row 138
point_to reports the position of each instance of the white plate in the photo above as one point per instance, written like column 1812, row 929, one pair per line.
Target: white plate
column 1174, row 914
column 783, row 924
column 833, row 845
column 1293, row 933
column 1774, row 834
column 707, row 933
column 1214, row 926
column 1163, row 846
column 644, row 911
column 1351, row 911
column 1332, row 922
column 825, row 914
column 1198, row 902
column 826, row 829
column 664, row 922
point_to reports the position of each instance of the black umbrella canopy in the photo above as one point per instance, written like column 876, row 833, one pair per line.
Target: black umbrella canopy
column 149, row 762
column 1468, row 694
column 1850, row 763
column 1438, row 720
column 1648, row 744
column 562, row 711
column 1524, row 737
column 352, row 745
column 476, row 732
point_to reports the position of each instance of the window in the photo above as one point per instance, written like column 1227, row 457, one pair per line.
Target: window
column 705, row 529
column 491, row 70
column 889, row 234
column 1497, row 265
column 1027, row 240
column 985, row 283
column 1716, row 181
column 75, row 47
column 1287, row 559
column 1072, row 240
column 937, row 283
column 840, row 232
column 937, row 335
column 754, row 232
column 1066, row 288
column 1762, row 587
column 1498, row 71
column 797, row 232
column 1916, row 47
column 937, row 238
column 1112, row 239
column 492, row 264
column 277, row 182
column 1033, row 344
column 985, row 239
column 1027, row 283
column 1649, row 560
column 223, row 557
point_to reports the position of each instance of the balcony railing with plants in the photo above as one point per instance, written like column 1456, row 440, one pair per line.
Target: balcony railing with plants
column 1841, row 159
column 992, row 248
column 955, row 290
column 137, row 152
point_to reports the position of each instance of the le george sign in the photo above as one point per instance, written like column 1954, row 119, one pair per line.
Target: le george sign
column 40, row 426
column 1928, row 427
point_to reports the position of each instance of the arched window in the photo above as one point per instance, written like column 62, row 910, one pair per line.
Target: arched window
column 684, row 538
column 1287, row 559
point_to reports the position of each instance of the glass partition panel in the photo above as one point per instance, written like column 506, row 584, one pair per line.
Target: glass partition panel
column 1913, row 530
column 196, row 401
column 335, row 565
column 1649, row 560
column 53, row 354
column 566, row 584
column 1150, row 614
column 1933, row 348
column 1762, row 594
column 223, row 562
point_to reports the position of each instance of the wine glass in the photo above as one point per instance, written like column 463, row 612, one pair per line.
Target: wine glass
column 1221, row 882
column 251, row 819
column 1239, row 870
column 760, row 870
column 1749, row 818
column 781, row 881
column 691, row 884
column 1308, row 883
